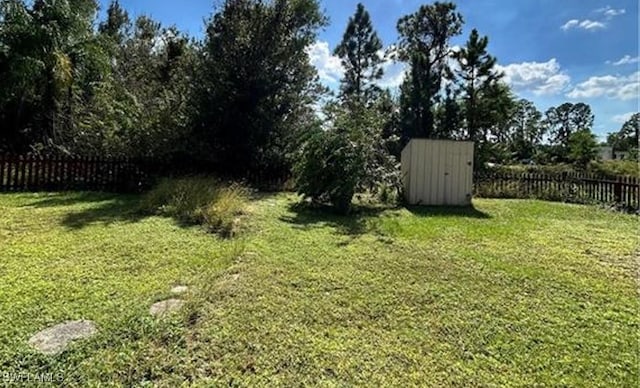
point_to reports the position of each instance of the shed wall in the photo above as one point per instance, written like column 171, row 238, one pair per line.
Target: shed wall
column 438, row 172
column 406, row 155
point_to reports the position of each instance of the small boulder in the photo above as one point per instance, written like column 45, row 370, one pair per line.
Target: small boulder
column 179, row 290
column 166, row 307
column 55, row 340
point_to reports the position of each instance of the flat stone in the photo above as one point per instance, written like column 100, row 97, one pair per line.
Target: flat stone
column 179, row 290
column 55, row 340
column 166, row 307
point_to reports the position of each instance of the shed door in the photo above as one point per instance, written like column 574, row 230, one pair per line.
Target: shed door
column 457, row 172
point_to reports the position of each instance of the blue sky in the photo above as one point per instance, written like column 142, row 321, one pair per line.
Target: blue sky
column 551, row 51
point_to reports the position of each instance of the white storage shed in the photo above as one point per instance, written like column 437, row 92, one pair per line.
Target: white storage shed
column 438, row 172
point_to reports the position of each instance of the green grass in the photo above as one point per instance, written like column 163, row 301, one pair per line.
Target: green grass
column 514, row 293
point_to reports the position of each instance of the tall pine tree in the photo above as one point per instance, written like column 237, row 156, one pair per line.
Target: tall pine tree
column 424, row 45
column 360, row 54
column 477, row 75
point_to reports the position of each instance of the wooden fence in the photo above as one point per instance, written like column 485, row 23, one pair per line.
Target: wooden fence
column 33, row 173
column 623, row 191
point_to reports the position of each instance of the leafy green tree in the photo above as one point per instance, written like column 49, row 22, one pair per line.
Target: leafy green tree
column 19, row 67
column 626, row 139
column 142, row 105
column 121, row 89
column 359, row 52
column 583, row 148
column 45, row 51
column 525, row 131
column 256, row 85
column 425, row 45
column 387, row 106
column 350, row 156
column 563, row 121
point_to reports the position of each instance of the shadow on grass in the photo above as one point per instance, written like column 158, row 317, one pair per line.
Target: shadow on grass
column 69, row 199
column 308, row 216
column 93, row 208
column 119, row 210
column 362, row 220
column 447, row 211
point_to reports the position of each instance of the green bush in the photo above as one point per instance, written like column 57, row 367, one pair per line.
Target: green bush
column 351, row 156
column 611, row 168
column 224, row 214
column 388, row 195
column 615, row 168
column 330, row 169
column 199, row 200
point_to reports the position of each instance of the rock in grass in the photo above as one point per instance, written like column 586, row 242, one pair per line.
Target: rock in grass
column 166, row 307
column 179, row 290
column 54, row 340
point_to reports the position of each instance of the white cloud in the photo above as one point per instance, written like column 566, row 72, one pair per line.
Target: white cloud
column 607, row 14
column 626, row 60
column 570, row 24
column 331, row 71
column 329, row 67
column 610, row 86
column 539, row 78
column 394, row 74
column 589, row 25
column 623, row 118
column 610, row 13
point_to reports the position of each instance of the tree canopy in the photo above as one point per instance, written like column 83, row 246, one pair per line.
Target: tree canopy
column 246, row 99
column 626, row 139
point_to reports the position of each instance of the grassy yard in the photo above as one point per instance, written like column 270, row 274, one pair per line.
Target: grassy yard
column 509, row 293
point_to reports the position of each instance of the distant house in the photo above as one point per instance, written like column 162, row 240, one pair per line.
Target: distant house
column 620, row 155
column 608, row 153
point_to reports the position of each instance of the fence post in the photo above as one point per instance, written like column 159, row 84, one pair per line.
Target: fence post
column 2, row 184
column 617, row 191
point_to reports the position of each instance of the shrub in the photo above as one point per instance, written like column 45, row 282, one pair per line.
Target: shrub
column 330, row 169
column 351, row 156
column 610, row 168
column 223, row 214
column 199, row 200
column 388, row 195
column 615, row 168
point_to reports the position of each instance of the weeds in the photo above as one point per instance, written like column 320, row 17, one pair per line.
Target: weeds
column 204, row 201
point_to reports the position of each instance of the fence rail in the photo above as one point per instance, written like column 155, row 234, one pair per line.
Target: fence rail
column 623, row 191
column 33, row 173
column 60, row 173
